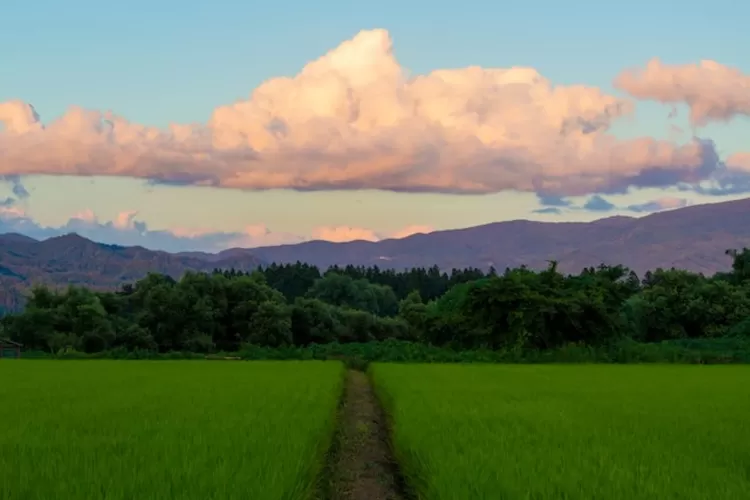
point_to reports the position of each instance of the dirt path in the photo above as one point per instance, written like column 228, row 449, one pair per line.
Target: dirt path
column 363, row 467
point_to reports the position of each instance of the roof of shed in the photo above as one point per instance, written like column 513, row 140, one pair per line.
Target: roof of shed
column 8, row 341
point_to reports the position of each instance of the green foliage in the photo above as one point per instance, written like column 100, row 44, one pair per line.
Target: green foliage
column 691, row 351
column 677, row 304
column 521, row 313
column 414, row 312
column 740, row 330
column 313, row 321
column 343, row 291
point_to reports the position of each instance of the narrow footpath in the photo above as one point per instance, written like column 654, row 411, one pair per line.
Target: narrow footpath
column 363, row 468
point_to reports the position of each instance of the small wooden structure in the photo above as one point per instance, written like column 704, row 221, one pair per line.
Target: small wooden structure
column 9, row 349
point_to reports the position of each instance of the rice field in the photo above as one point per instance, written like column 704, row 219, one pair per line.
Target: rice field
column 570, row 432
column 157, row 430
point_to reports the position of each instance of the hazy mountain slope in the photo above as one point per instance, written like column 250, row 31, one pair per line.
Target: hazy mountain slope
column 693, row 238
column 74, row 260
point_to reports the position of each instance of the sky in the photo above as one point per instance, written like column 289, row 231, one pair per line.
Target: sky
column 208, row 125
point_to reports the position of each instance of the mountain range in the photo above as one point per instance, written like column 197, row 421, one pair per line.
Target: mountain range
column 74, row 260
column 693, row 238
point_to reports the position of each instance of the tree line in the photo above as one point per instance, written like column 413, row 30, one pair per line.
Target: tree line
column 468, row 309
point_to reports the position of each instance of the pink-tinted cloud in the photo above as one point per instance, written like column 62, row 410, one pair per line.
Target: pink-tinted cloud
column 732, row 178
column 125, row 220
column 12, row 213
column 739, row 161
column 410, row 231
column 347, row 233
column 86, row 215
column 713, row 92
column 666, row 203
column 355, row 119
column 126, row 229
column 344, row 233
column 250, row 236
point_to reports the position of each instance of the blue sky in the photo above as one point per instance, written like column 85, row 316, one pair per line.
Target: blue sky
column 177, row 62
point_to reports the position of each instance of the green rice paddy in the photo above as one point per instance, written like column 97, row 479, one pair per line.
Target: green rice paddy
column 570, row 432
column 161, row 430
column 260, row 430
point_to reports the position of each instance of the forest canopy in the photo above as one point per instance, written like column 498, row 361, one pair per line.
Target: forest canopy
column 298, row 305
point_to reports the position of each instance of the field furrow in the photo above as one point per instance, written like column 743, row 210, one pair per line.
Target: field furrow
column 363, row 467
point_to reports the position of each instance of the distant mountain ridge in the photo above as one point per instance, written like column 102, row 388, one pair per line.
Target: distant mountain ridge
column 75, row 260
column 692, row 238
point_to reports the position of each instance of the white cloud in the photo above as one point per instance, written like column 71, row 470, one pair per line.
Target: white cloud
column 125, row 229
column 712, row 91
column 354, row 119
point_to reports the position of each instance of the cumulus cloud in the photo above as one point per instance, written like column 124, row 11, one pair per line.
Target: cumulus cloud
column 666, row 203
column 712, row 91
column 740, row 161
column 346, row 233
column 409, row 231
column 598, row 204
column 125, row 229
column 548, row 211
column 354, row 118
column 732, row 177
column 553, row 201
column 18, row 189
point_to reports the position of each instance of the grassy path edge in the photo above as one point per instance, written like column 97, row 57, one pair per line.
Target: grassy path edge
column 410, row 478
column 360, row 463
